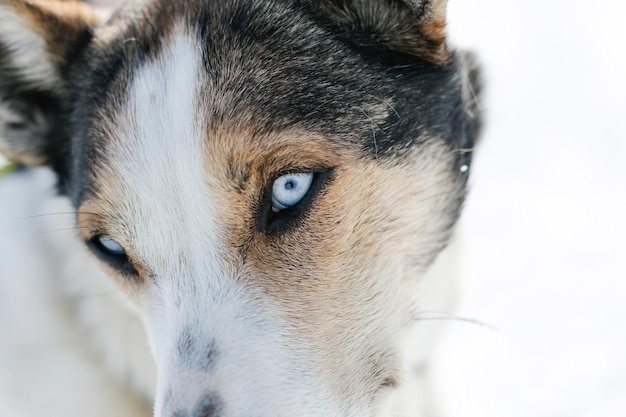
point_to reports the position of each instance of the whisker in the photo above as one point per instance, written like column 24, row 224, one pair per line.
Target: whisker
column 58, row 214
column 373, row 126
column 463, row 150
column 91, row 296
column 65, row 229
column 404, row 66
column 445, row 316
column 441, row 194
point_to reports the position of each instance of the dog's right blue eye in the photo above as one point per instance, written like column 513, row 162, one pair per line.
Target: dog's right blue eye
column 289, row 197
column 288, row 190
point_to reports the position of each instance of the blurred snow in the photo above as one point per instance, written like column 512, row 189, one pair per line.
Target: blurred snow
column 544, row 226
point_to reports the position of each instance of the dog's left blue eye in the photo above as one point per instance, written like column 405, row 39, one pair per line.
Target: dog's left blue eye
column 107, row 246
column 290, row 189
column 111, row 252
column 110, row 246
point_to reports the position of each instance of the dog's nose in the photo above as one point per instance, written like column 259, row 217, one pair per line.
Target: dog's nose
column 210, row 406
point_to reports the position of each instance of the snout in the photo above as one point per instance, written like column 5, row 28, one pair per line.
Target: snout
column 219, row 376
column 240, row 371
column 229, row 360
column 185, row 395
column 224, row 348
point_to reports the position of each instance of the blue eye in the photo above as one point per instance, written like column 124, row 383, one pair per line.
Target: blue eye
column 108, row 246
column 290, row 189
column 111, row 252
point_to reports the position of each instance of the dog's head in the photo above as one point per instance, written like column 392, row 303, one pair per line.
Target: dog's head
column 267, row 180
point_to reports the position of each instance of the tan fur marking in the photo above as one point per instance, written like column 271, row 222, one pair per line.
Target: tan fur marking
column 72, row 11
column 262, row 159
column 435, row 32
column 57, row 22
column 361, row 249
column 432, row 29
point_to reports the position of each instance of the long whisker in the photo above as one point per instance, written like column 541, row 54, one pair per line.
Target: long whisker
column 67, row 213
column 462, row 150
column 441, row 194
column 373, row 126
column 65, row 229
column 90, row 296
column 445, row 316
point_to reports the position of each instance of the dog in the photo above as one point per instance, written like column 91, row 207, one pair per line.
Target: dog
column 259, row 195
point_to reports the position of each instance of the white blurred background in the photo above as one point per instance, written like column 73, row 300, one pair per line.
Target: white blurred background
column 544, row 227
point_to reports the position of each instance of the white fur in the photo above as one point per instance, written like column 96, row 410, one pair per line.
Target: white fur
column 29, row 52
column 159, row 162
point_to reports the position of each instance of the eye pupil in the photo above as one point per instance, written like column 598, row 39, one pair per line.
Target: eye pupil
column 289, row 185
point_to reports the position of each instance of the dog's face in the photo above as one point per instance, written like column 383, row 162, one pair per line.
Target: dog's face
column 267, row 181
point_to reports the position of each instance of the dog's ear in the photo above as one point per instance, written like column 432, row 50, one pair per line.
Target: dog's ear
column 37, row 41
column 413, row 27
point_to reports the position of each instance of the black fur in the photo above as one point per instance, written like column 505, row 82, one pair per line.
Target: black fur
column 320, row 79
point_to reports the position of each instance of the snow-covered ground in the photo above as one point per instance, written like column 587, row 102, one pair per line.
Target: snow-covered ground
column 545, row 226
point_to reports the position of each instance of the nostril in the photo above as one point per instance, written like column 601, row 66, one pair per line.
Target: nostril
column 210, row 410
column 210, row 406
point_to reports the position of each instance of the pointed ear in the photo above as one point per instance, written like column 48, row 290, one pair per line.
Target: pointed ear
column 37, row 39
column 413, row 27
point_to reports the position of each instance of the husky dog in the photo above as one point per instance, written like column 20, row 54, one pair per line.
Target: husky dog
column 259, row 190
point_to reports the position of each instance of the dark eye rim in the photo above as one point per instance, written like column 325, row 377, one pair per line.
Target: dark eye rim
column 276, row 223
column 121, row 262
